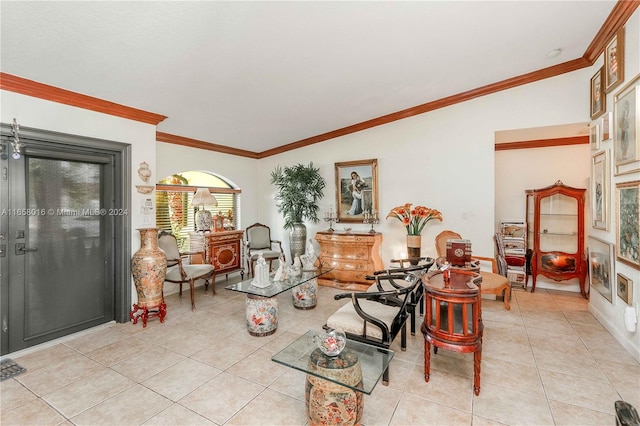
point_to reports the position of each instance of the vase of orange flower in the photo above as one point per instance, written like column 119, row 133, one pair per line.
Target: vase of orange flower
column 414, row 220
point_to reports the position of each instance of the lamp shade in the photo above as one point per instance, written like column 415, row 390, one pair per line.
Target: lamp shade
column 202, row 197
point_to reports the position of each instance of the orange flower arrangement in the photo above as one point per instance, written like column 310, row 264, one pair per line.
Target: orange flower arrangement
column 414, row 219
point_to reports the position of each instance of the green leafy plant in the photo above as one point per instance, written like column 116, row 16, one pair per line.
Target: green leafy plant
column 299, row 189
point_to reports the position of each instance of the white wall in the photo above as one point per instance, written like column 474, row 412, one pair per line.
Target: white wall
column 443, row 159
column 521, row 169
column 46, row 115
column 610, row 314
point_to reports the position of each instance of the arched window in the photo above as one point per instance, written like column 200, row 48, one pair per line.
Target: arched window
column 174, row 212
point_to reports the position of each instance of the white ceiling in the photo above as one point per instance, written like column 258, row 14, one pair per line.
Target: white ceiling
column 258, row 75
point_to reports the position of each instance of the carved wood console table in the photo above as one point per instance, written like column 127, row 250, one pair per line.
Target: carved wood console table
column 352, row 256
column 224, row 251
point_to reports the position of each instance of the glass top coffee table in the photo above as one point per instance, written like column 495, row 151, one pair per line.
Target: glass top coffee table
column 262, row 305
column 334, row 385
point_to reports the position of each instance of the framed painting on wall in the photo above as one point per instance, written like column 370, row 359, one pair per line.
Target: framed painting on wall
column 600, row 183
column 625, row 289
column 356, row 189
column 614, row 61
column 594, row 136
column 598, row 99
column 606, row 126
column 628, row 222
column 601, row 267
column 626, row 144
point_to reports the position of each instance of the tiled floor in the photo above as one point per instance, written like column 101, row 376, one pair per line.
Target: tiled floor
column 547, row 361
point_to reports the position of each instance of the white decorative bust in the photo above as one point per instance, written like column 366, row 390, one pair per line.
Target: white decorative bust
column 281, row 273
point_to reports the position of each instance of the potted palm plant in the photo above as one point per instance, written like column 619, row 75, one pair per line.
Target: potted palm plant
column 300, row 187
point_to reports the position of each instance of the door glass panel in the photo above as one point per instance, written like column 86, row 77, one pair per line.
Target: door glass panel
column 65, row 276
column 559, row 223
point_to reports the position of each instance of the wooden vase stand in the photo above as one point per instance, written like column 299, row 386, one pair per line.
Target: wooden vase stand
column 148, row 312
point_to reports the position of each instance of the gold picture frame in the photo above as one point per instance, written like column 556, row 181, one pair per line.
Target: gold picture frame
column 600, row 182
column 594, row 136
column 625, row 289
column 628, row 223
column 614, row 61
column 626, row 139
column 356, row 190
column 598, row 98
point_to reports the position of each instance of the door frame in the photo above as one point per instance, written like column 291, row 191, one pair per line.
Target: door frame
column 32, row 138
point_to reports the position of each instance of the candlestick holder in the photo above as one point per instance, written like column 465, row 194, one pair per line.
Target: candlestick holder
column 373, row 219
column 330, row 217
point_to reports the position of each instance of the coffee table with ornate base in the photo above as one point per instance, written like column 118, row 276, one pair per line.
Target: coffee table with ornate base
column 335, row 386
column 261, row 303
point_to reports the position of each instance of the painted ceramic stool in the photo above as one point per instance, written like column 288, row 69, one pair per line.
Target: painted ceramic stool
column 261, row 314
column 329, row 403
column 305, row 296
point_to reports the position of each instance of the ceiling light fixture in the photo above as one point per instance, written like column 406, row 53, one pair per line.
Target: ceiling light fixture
column 15, row 143
column 554, row 53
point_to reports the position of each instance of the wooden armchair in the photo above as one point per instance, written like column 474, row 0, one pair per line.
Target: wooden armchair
column 259, row 240
column 492, row 282
column 377, row 317
column 179, row 272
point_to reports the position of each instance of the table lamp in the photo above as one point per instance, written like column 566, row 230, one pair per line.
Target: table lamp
column 203, row 216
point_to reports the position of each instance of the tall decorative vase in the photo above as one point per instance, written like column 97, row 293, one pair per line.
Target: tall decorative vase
column 414, row 243
column 297, row 239
column 149, row 268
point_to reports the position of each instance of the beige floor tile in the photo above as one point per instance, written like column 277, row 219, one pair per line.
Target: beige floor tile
column 271, row 408
column 14, row 395
column 87, row 392
column 222, row 397
column 441, row 388
column 35, row 413
column 46, row 358
column 224, row 353
column 176, row 414
column 118, row 351
column 147, row 363
column 181, row 379
column 93, row 341
column 579, row 363
column 131, row 407
column 46, row 380
column 292, row 383
column 567, row 414
column 508, row 351
column 189, row 341
column 380, row 406
column 511, row 407
column 583, row 392
column 511, row 375
column 258, row 368
column 413, row 410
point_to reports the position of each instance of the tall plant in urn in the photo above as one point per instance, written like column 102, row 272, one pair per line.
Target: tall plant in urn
column 299, row 188
column 149, row 268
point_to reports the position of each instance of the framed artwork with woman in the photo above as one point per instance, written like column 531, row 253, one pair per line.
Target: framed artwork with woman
column 356, row 189
column 614, row 61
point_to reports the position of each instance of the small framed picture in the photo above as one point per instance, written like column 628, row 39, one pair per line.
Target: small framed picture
column 356, row 189
column 594, row 136
column 598, row 99
column 601, row 267
column 606, row 126
column 625, row 289
column 626, row 143
column 614, row 61
column 628, row 222
column 600, row 190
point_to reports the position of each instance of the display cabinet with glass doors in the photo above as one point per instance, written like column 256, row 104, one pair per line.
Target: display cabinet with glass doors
column 555, row 233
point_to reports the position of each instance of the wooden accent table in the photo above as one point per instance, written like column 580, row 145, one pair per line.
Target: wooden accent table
column 224, row 252
column 352, row 256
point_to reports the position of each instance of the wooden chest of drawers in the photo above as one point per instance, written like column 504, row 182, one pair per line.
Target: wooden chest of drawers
column 352, row 256
column 224, row 251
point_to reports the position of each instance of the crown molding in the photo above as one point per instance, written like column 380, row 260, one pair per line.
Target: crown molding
column 542, row 143
column 619, row 16
column 194, row 143
column 23, row 86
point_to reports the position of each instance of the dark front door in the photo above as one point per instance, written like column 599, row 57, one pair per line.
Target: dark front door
column 58, row 263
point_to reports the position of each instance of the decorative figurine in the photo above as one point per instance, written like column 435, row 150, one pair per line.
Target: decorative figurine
column 308, row 259
column 261, row 272
column 281, row 273
column 295, row 269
